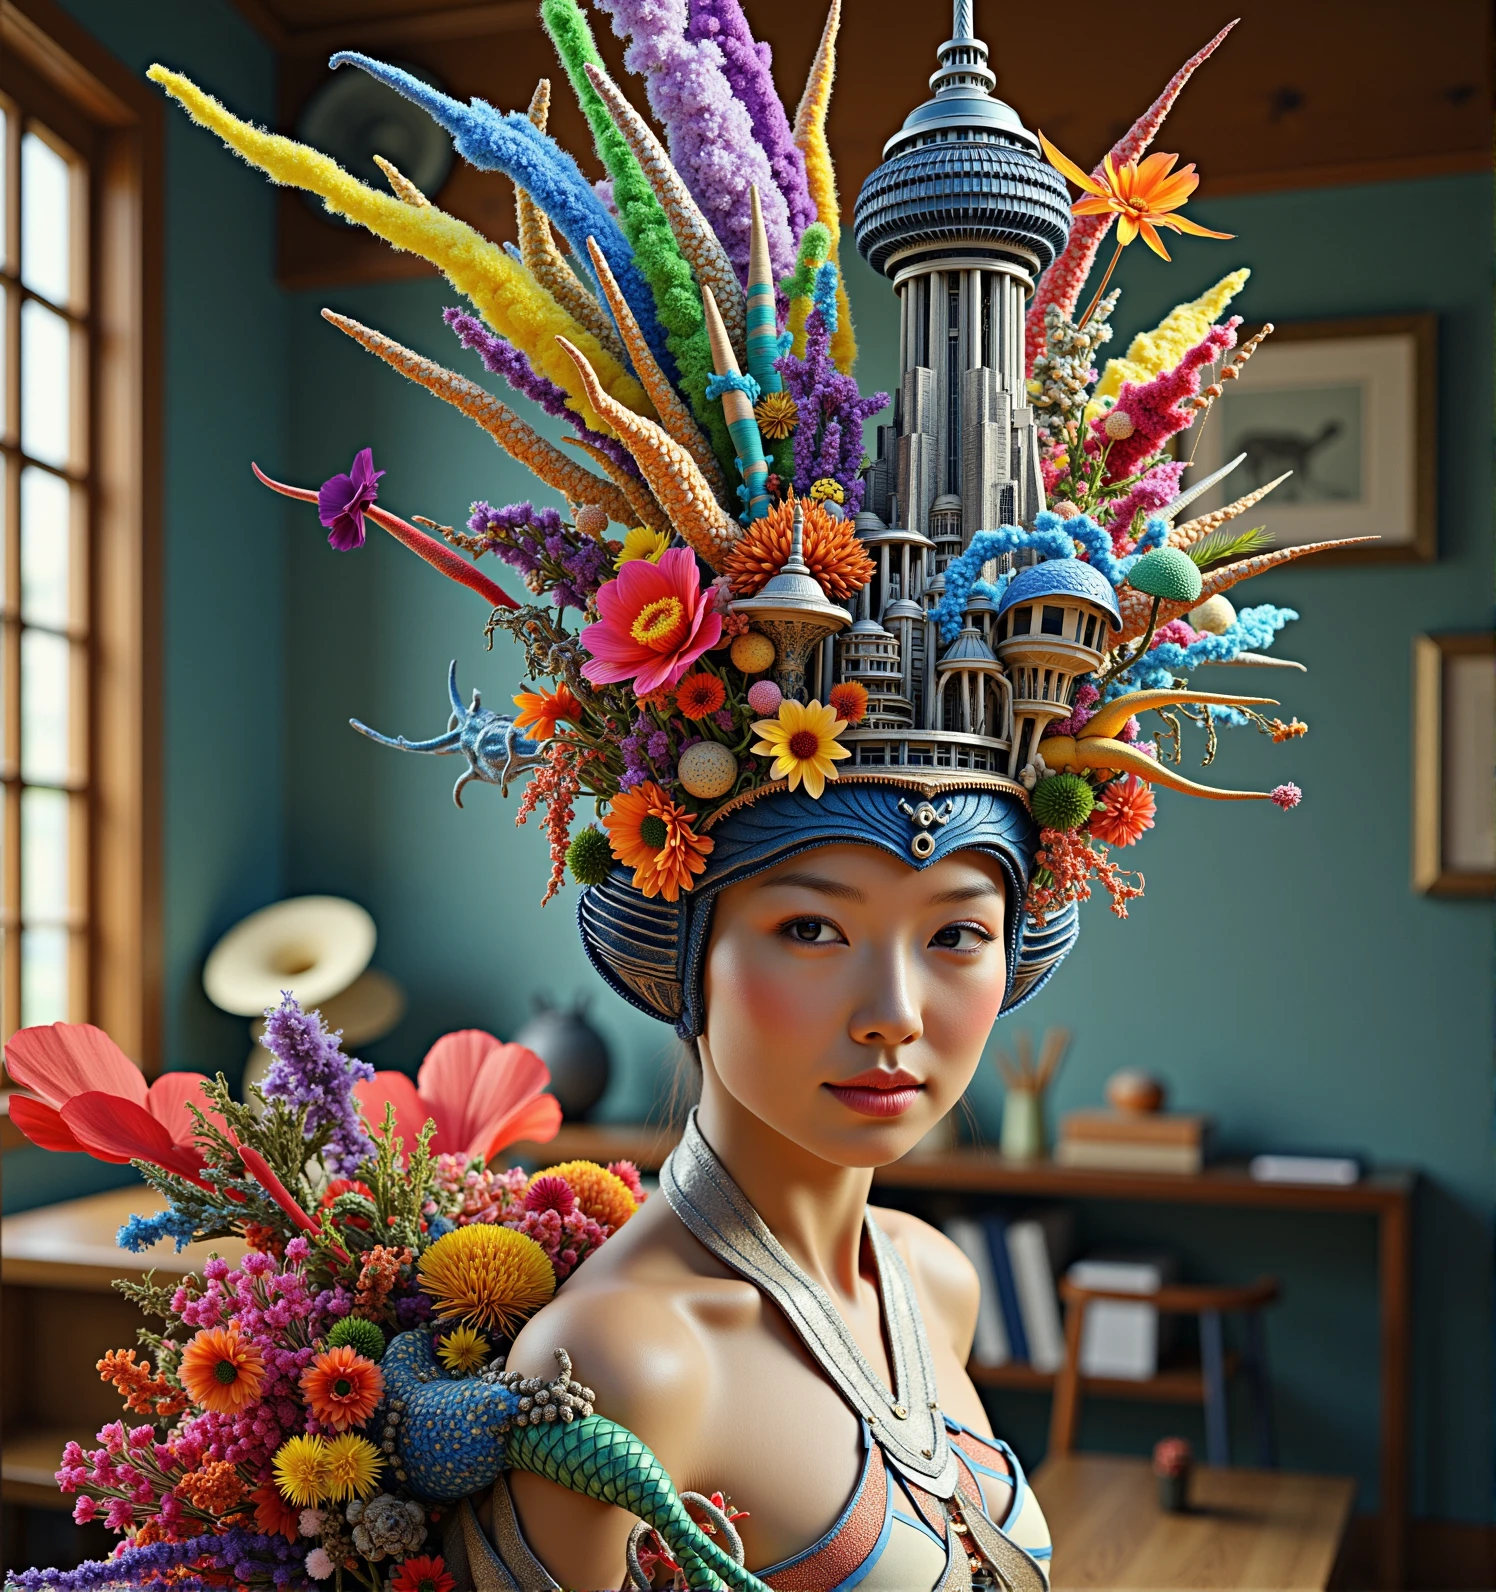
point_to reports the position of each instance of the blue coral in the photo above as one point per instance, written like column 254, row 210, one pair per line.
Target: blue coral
column 141, row 1232
column 961, row 575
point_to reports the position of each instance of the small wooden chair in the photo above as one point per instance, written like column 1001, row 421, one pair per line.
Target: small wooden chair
column 1216, row 1364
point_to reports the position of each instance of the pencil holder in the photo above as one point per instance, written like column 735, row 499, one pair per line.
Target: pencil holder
column 1023, row 1125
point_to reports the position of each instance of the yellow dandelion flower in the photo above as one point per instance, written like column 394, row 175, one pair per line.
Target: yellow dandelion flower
column 353, row 1467
column 826, row 490
column 463, row 1351
column 777, row 414
column 802, row 741
column 302, row 1471
column 487, row 1276
column 641, row 542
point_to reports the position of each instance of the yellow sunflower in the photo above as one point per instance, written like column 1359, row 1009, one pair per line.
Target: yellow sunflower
column 641, row 542
column 463, row 1351
column 802, row 741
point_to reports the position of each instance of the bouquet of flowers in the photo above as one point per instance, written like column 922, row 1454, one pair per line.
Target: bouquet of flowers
column 258, row 1442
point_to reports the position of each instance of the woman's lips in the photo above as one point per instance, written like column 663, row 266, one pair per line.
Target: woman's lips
column 878, row 1094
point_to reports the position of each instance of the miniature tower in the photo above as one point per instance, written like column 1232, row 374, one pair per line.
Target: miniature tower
column 962, row 216
column 1052, row 626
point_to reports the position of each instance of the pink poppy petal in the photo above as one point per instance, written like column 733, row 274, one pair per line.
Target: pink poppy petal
column 167, row 1101
column 43, row 1125
column 112, row 1129
column 449, row 1078
column 536, row 1121
column 398, row 1090
column 61, row 1060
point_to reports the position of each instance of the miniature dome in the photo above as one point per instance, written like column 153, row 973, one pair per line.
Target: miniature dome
column 963, row 169
column 1062, row 577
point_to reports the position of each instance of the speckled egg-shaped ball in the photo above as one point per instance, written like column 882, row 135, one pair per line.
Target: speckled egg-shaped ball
column 1215, row 616
column 707, row 769
column 752, row 653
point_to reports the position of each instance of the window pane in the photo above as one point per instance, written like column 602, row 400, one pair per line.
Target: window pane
column 44, row 976
column 45, row 243
column 44, row 384
column 44, row 856
column 45, row 533
column 44, row 707
column 4, row 207
column 5, row 418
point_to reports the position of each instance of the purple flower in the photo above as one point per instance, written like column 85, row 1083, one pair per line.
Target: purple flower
column 311, row 1070
column 343, row 500
column 833, row 446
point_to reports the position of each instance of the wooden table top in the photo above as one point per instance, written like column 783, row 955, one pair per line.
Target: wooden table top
column 72, row 1245
column 1266, row 1530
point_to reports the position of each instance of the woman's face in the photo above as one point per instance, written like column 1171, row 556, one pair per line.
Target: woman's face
column 848, row 995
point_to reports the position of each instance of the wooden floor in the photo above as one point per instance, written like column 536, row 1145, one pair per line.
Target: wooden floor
column 1263, row 1530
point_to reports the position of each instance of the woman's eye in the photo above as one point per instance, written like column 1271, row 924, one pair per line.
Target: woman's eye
column 812, row 931
column 961, row 937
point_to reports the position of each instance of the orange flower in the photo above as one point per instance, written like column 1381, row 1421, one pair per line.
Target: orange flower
column 700, row 694
column 832, row 552
column 541, row 711
column 600, row 1194
column 273, row 1514
column 849, row 701
column 214, row 1488
column 653, row 836
column 221, row 1371
column 1125, row 811
column 1141, row 196
column 342, row 1388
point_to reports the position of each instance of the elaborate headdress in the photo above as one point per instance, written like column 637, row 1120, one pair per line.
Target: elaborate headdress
column 785, row 642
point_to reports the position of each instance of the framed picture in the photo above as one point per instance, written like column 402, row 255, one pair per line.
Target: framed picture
column 1454, row 765
column 1348, row 407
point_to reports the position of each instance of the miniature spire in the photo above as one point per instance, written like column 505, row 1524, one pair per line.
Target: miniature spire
column 737, row 406
column 763, row 326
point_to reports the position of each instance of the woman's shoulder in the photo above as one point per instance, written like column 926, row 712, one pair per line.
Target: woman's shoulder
column 943, row 1277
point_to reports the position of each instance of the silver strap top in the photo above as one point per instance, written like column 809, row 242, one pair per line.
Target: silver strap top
column 906, row 1424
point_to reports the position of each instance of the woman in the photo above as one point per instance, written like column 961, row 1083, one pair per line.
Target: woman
column 836, row 941
column 846, row 994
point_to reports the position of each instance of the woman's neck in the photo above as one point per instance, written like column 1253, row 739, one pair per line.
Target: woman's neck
column 812, row 1206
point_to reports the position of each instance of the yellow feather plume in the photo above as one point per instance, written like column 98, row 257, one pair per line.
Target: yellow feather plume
column 1152, row 353
column 505, row 294
column 820, row 173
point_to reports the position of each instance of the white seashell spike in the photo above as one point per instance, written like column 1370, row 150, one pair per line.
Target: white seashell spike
column 1173, row 510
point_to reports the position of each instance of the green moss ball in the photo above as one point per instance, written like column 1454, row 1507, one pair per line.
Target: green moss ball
column 363, row 1337
column 1063, row 801
column 590, row 856
column 1167, row 573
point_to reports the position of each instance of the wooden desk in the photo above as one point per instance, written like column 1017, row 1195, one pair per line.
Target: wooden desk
column 1386, row 1195
column 1265, row 1530
column 49, row 1390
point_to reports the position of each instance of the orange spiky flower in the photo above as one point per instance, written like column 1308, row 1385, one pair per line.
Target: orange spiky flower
column 832, row 552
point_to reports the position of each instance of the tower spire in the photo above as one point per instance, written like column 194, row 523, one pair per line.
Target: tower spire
column 963, row 58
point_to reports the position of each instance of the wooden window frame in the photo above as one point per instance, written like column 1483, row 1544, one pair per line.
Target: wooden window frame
column 123, row 980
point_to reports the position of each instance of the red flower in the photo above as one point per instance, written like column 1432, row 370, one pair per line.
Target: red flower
column 345, row 1185
column 1125, row 812
column 481, row 1094
column 87, row 1095
column 425, row 1573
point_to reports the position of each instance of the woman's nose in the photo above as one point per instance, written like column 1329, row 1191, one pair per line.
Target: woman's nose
column 889, row 1012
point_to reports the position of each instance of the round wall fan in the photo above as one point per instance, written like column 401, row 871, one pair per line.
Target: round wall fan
column 353, row 118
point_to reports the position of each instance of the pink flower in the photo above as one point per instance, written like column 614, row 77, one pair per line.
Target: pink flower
column 656, row 622
column 481, row 1094
column 85, row 1094
column 84, row 1511
column 1287, row 796
column 764, row 697
column 319, row 1564
column 550, row 1194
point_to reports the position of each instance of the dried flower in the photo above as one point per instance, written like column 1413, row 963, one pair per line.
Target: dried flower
column 342, row 1388
column 600, row 1194
column 777, row 414
column 222, row 1371
column 1287, row 796
column 1125, row 812
column 699, row 694
column 487, row 1276
column 654, row 837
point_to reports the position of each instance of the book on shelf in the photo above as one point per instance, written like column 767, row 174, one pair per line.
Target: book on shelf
column 1322, row 1168
column 1133, row 1141
column 1039, row 1244
column 990, row 1344
column 996, row 1226
column 1123, row 1340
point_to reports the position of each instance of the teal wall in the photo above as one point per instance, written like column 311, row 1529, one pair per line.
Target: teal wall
column 227, row 365
column 1280, row 973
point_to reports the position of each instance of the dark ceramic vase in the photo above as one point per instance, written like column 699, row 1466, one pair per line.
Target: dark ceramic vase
column 575, row 1052
column 1174, row 1492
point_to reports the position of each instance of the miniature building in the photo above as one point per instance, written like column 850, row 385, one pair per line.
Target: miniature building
column 1052, row 627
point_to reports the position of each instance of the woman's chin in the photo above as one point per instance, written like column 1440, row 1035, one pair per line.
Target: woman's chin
column 854, row 1138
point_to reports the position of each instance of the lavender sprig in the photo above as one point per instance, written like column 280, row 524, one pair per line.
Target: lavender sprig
column 311, row 1071
column 246, row 1555
column 547, row 553
column 505, row 360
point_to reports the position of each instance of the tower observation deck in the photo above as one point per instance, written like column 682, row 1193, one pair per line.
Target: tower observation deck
column 962, row 216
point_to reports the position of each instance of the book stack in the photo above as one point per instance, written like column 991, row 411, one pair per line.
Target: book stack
column 1017, row 1260
column 1133, row 1141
